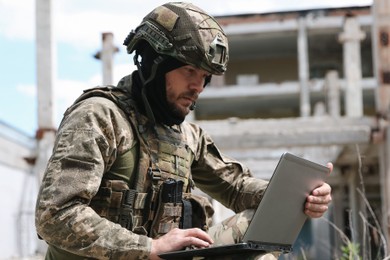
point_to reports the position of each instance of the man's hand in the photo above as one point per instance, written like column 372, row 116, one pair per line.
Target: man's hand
column 179, row 238
column 317, row 202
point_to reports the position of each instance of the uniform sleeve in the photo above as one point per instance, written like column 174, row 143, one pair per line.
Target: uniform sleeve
column 224, row 178
column 90, row 136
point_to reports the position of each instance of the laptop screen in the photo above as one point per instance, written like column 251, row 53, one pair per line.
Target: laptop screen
column 280, row 214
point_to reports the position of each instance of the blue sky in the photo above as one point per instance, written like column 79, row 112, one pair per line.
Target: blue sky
column 77, row 28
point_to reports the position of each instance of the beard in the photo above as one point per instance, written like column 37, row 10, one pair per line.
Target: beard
column 177, row 111
column 180, row 111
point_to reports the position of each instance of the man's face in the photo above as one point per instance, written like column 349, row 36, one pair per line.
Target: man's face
column 184, row 85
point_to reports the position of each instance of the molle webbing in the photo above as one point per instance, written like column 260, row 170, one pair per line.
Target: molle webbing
column 164, row 154
column 116, row 202
column 170, row 218
column 169, row 208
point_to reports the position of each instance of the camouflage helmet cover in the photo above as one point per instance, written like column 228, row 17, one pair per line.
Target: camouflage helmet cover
column 185, row 32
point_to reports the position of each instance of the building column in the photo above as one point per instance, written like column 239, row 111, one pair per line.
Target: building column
column 381, row 55
column 106, row 56
column 351, row 38
column 381, row 51
column 45, row 53
column 45, row 78
column 354, row 205
column 44, row 62
column 303, row 67
column 332, row 86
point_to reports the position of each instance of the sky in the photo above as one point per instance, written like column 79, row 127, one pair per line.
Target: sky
column 77, row 28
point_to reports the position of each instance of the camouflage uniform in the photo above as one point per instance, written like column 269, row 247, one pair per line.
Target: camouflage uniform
column 231, row 231
column 100, row 141
column 92, row 136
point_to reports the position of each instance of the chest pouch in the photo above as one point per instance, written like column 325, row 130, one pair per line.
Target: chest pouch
column 201, row 211
column 116, row 202
column 169, row 208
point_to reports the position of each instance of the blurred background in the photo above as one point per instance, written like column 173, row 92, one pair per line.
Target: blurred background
column 309, row 77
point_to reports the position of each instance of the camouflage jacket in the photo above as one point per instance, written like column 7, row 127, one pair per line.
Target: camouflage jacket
column 91, row 136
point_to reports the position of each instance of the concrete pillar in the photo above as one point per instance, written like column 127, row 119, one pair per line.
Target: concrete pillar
column 351, row 38
column 106, row 56
column 338, row 196
column 354, row 206
column 45, row 53
column 45, row 60
column 45, row 78
column 381, row 51
column 384, row 171
column 381, row 57
column 303, row 67
column 332, row 87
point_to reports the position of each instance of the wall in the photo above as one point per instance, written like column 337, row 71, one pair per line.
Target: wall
column 18, row 191
column 269, row 69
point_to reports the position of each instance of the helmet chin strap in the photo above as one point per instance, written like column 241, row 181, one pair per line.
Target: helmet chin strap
column 144, row 82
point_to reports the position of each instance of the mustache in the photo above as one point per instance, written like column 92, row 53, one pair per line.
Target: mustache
column 191, row 95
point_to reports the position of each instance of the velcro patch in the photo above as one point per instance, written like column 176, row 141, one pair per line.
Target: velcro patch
column 166, row 17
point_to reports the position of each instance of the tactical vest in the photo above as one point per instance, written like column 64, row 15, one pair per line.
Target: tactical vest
column 159, row 197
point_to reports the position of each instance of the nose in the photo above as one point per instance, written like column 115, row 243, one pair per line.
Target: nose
column 198, row 84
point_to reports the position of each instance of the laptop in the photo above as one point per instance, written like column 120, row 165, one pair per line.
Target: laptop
column 279, row 216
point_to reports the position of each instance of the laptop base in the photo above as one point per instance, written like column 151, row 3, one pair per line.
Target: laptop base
column 226, row 250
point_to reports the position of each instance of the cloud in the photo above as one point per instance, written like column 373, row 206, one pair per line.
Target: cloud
column 119, row 72
column 17, row 19
column 67, row 91
column 83, row 29
column 81, row 22
column 64, row 92
column 82, row 26
column 28, row 90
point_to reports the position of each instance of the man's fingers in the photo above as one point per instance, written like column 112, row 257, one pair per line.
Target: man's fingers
column 313, row 214
column 178, row 239
column 319, row 199
column 196, row 233
column 330, row 166
column 323, row 190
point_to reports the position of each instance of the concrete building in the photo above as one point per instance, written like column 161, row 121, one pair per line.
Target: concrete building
column 18, row 188
column 305, row 82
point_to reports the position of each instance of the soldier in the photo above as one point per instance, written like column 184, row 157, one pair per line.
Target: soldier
column 118, row 184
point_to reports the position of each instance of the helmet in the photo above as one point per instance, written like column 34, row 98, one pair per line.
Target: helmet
column 185, row 32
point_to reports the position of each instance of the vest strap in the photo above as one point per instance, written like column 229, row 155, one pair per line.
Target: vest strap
column 186, row 221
